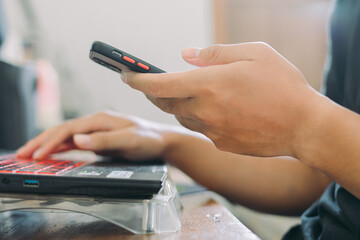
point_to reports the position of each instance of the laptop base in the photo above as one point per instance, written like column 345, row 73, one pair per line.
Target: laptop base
column 156, row 215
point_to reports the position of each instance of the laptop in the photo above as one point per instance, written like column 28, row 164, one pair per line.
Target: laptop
column 84, row 174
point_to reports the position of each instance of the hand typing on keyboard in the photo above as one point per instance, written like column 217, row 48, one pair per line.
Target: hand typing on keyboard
column 104, row 133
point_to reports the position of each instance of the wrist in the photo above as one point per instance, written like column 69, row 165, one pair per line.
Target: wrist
column 312, row 133
column 173, row 137
column 181, row 143
column 331, row 145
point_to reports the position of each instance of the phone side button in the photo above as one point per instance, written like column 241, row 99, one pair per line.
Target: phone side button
column 143, row 66
column 126, row 58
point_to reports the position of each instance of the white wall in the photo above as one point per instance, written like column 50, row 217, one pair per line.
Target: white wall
column 154, row 30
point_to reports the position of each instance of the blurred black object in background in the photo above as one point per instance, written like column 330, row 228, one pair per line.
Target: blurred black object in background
column 17, row 104
column 17, row 98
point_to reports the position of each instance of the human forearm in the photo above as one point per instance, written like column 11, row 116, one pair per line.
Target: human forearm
column 330, row 142
column 278, row 185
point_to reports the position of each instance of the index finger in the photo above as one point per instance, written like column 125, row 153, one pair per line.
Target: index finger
column 29, row 148
column 166, row 85
column 48, row 141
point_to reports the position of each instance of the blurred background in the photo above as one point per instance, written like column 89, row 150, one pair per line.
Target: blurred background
column 62, row 32
column 46, row 43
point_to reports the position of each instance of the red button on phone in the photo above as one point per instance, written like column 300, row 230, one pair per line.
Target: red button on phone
column 143, row 66
column 126, row 58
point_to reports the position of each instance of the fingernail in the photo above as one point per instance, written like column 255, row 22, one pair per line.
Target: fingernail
column 37, row 154
column 191, row 52
column 124, row 77
column 82, row 140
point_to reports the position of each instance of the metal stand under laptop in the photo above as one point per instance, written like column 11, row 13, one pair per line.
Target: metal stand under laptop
column 156, row 215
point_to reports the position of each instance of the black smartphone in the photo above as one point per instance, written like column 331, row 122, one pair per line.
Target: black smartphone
column 119, row 60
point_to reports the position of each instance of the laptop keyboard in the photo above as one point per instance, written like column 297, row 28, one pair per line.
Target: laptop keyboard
column 31, row 166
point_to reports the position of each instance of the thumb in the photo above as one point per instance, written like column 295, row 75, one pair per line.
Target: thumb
column 100, row 141
column 220, row 54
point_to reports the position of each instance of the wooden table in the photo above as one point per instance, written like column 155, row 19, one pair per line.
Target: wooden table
column 200, row 220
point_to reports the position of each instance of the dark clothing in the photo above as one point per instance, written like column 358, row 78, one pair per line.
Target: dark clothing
column 336, row 215
column 343, row 75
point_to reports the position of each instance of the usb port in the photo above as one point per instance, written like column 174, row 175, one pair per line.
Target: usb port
column 31, row 183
